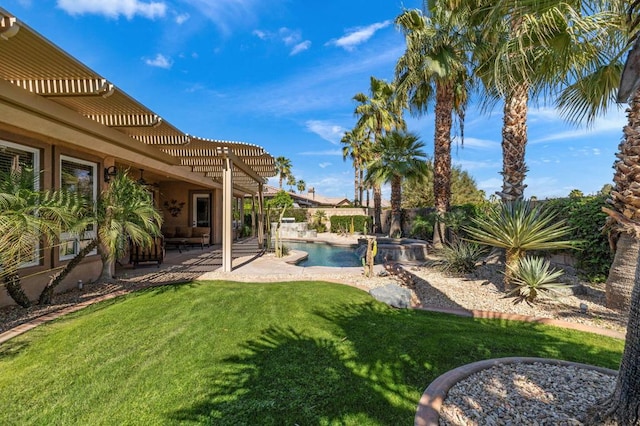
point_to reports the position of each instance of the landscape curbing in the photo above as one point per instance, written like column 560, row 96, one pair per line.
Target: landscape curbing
column 428, row 411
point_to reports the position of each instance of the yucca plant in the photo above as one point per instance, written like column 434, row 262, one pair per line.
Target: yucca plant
column 531, row 276
column 519, row 226
column 461, row 256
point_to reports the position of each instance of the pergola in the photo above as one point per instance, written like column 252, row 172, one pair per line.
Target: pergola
column 36, row 65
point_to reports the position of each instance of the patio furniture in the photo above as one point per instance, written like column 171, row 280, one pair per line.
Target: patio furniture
column 154, row 253
column 191, row 235
column 179, row 243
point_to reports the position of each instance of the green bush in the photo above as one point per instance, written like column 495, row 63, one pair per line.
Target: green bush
column 422, row 227
column 585, row 216
column 300, row 215
column 343, row 223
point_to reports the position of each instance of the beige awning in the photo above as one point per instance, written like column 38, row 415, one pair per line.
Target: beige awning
column 33, row 63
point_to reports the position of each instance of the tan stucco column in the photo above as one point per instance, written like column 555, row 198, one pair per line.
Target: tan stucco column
column 227, row 214
column 260, row 216
column 253, row 216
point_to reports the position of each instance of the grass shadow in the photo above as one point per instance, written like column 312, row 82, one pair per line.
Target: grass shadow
column 288, row 377
column 12, row 348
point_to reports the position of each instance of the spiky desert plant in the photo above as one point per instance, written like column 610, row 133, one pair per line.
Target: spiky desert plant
column 519, row 226
column 461, row 256
column 532, row 276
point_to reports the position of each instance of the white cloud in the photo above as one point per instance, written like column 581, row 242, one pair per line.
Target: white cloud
column 467, row 165
column 114, row 8
column 300, row 47
column 358, row 36
column 479, row 143
column 227, row 14
column 324, row 165
column 613, row 122
column 286, row 36
column 326, row 130
column 182, row 18
column 159, row 61
column 260, row 34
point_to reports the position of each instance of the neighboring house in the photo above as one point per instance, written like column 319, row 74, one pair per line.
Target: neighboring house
column 310, row 199
column 76, row 129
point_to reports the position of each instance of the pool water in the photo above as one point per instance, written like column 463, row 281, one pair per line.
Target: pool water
column 321, row 254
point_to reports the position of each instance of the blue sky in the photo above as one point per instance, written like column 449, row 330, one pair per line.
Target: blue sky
column 282, row 74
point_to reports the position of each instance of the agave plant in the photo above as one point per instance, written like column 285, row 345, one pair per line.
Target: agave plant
column 518, row 226
column 532, row 276
column 461, row 256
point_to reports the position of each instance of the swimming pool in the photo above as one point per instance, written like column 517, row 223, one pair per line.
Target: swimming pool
column 321, row 254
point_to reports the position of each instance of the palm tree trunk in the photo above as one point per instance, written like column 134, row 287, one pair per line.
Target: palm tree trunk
column 12, row 284
column 514, row 142
column 442, row 157
column 622, row 273
column 623, row 406
column 356, row 200
column 361, row 187
column 395, row 230
column 377, row 209
column 625, row 199
column 47, row 292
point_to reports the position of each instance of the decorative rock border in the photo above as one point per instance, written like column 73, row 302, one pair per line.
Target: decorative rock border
column 428, row 411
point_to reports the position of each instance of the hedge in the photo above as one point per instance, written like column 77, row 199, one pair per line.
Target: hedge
column 343, row 223
column 585, row 216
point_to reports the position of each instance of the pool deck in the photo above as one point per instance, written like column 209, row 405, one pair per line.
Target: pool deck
column 267, row 265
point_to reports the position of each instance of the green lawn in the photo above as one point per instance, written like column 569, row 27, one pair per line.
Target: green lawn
column 226, row 353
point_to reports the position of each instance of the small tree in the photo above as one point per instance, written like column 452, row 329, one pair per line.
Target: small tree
column 29, row 216
column 281, row 202
column 396, row 156
column 124, row 212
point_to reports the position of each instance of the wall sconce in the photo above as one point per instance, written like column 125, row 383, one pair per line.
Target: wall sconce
column 109, row 172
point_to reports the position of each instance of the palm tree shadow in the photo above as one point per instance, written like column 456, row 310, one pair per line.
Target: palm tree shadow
column 424, row 292
column 287, row 377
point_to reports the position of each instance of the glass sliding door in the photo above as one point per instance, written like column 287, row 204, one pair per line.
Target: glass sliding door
column 201, row 210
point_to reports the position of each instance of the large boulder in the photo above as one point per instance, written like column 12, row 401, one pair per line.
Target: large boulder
column 393, row 295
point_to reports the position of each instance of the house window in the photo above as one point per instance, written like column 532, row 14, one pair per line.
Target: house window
column 80, row 177
column 14, row 157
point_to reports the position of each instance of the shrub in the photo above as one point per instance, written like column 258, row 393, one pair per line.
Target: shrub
column 530, row 276
column 422, row 227
column 586, row 218
column 300, row 215
column 461, row 257
column 343, row 223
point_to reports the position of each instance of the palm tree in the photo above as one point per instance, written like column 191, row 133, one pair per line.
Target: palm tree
column 354, row 148
column 434, row 70
column 378, row 113
column 396, row 156
column 124, row 213
column 291, row 182
column 301, row 186
column 28, row 216
column 527, row 49
column 283, row 168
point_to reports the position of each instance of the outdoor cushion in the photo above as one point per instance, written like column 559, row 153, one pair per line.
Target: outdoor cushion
column 183, row 232
column 199, row 231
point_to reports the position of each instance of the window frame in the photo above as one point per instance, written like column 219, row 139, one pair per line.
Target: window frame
column 74, row 238
column 36, row 187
